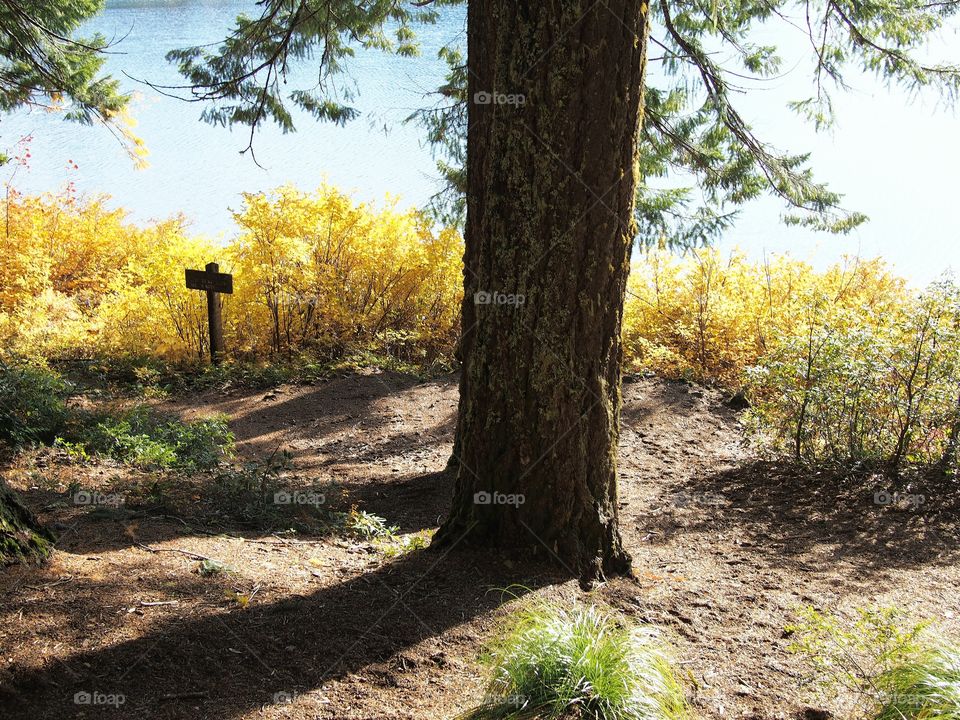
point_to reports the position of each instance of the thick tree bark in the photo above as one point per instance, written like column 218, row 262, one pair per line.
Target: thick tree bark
column 22, row 538
column 555, row 108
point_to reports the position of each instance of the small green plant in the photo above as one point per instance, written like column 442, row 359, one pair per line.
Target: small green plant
column 198, row 445
column 76, row 451
column 209, row 567
column 404, row 544
column 158, row 495
column 369, row 526
column 254, row 493
column 127, row 439
column 140, row 437
column 148, row 382
column 551, row 661
column 255, row 477
column 846, row 661
column 249, row 490
column 926, row 689
column 32, row 403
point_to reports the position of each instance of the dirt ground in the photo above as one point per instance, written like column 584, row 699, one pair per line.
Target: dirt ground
column 725, row 548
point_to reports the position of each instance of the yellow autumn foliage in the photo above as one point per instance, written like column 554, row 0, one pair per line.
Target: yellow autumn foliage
column 321, row 272
column 846, row 366
column 707, row 316
column 312, row 271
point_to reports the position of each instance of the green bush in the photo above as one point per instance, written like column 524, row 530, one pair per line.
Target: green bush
column 140, row 437
column 32, row 403
column 860, row 388
column 33, row 410
column 553, row 662
column 851, row 655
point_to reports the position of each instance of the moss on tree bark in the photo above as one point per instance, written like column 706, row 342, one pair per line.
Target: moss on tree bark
column 555, row 93
column 22, row 538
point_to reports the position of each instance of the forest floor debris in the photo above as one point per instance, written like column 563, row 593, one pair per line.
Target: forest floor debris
column 368, row 624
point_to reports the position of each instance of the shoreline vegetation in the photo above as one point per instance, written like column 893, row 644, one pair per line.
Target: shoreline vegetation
column 847, row 366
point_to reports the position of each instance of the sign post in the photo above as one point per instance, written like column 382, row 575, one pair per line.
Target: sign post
column 213, row 282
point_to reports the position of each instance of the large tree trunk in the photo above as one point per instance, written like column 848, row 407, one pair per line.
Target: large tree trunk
column 22, row 538
column 555, row 107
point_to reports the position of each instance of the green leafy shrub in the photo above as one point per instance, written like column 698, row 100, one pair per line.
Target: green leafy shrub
column 76, row 451
column 553, row 662
column 126, row 439
column 858, row 387
column 33, row 410
column 248, row 490
column 255, row 493
column 32, row 403
column 369, row 526
column 866, row 664
column 200, row 444
column 141, row 437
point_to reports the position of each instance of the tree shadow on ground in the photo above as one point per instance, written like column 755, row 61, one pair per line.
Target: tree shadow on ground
column 410, row 503
column 262, row 420
column 413, row 503
column 230, row 663
column 795, row 515
column 395, row 445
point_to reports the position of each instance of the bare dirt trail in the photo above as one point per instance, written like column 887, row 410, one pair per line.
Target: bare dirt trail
column 724, row 549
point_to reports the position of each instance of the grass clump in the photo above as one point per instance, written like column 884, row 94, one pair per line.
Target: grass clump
column 877, row 666
column 927, row 688
column 552, row 661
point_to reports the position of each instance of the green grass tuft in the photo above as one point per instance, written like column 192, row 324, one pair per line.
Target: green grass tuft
column 926, row 689
column 554, row 662
column 369, row 526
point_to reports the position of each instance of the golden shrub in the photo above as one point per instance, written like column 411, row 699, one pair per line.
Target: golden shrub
column 311, row 270
column 707, row 316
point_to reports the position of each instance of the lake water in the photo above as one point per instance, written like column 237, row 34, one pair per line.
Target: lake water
column 896, row 159
column 196, row 168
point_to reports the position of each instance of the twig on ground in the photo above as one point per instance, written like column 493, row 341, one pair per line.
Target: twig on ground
column 185, row 695
column 59, row 581
column 195, row 556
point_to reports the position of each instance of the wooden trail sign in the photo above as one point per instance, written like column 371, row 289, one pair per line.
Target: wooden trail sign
column 213, row 282
column 210, row 280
